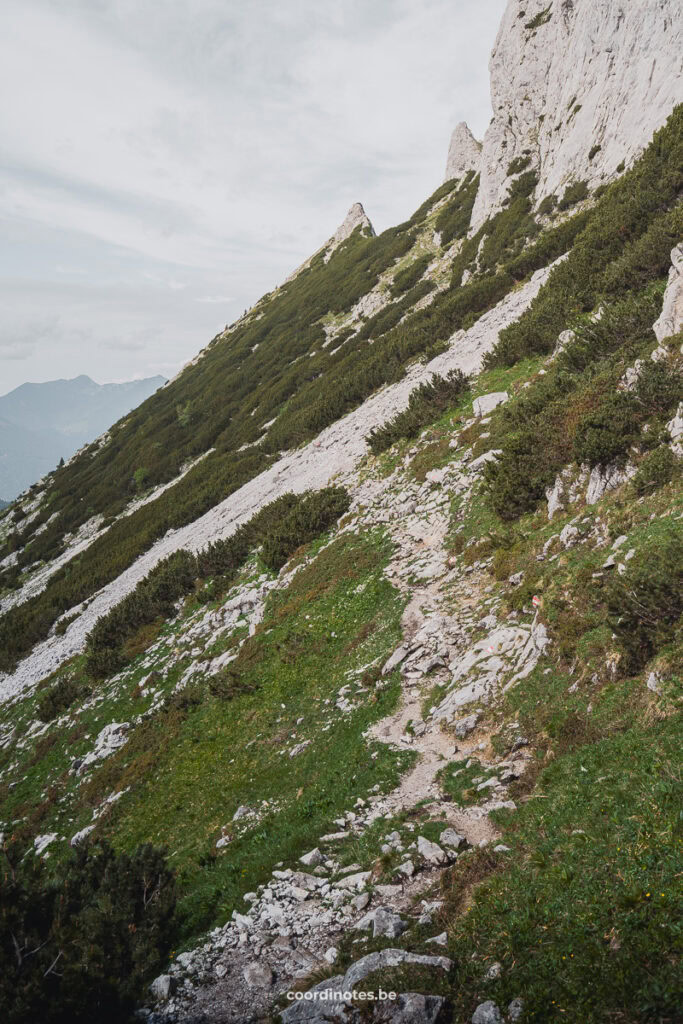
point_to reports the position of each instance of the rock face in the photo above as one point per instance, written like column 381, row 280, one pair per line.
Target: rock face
column 670, row 321
column 356, row 217
column 464, row 153
column 569, row 76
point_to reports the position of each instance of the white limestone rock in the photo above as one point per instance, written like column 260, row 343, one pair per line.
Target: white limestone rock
column 485, row 404
column 464, row 153
column 670, row 321
column 587, row 73
column 675, row 428
column 356, row 217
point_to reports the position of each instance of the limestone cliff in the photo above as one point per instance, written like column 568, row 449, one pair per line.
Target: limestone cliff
column 464, row 153
column 578, row 87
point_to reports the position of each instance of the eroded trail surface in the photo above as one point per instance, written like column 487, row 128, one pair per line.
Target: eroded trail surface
column 294, row 921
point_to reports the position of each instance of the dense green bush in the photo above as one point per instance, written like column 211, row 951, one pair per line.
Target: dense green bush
column 454, row 219
column 646, row 602
column 573, row 194
column 519, row 164
column 408, row 277
column 426, row 403
column 657, row 469
column 605, row 435
column 59, row 698
column 316, row 513
column 646, row 197
column 79, row 946
column 576, row 408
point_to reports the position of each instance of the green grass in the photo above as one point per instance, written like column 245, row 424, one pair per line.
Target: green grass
column 587, row 905
column 193, row 763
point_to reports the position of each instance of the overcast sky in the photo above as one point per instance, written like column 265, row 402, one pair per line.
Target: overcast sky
column 165, row 162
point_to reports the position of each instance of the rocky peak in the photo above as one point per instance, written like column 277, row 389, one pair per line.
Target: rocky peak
column 578, row 87
column 355, row 217
column 464, row 153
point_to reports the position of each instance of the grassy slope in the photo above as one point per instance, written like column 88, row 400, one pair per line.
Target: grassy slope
column 188, row 767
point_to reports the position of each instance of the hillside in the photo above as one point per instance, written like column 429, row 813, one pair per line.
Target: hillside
column 43, row 423
column 352, row 658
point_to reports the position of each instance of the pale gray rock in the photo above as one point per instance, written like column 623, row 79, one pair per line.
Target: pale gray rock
column 163, row 987
column 464, row 153
column 675, row 428
column 390, row 958
column 485, row 404
column 607, row 478
column 515, row 1009
column 356, row 217
column 80, row 836
column 410, row 1008
column 487, row 1013
column 312, row 859
column 399, row 655
column 387, row 924
column 258, row 975
column 670, row 321
column 431, row 852
column 452, row 839
column 481, row 460
column 108, row 742
column 585, row 73
column 464, row 726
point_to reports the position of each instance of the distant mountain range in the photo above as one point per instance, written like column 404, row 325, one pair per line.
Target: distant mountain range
column 41, row 423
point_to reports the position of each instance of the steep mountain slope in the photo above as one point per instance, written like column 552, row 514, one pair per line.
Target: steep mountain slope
column 372, row 619
column 41, row 423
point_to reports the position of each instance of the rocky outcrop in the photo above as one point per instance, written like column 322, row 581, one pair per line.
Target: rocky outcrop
column 670, row 321
column 578, row 87
column 464, row 153
column 356, row 217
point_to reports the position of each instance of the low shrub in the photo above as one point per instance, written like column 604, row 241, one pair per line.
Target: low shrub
column 59, row 698
column 656, row 470
column 573, row 194
column 606, row 434
column 425, row 405
column 646, row 602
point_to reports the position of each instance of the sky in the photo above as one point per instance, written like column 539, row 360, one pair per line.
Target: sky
column 163, row 164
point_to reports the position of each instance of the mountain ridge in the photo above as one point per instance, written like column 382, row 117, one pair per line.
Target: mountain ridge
column 371, row 619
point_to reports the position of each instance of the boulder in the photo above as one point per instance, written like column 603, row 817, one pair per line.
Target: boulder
column 487, row 1013
column 258, row 975
column 312, row 859
column 449, row 837
column 431, row 852
column 485, row 404
column 410, row 1008
column 163, row 987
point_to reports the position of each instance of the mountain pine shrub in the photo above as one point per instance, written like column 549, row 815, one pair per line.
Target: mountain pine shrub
column 78, row 946
column 426, row 403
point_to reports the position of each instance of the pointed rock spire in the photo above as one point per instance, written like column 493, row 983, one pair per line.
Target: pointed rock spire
column 464, row 153
column 354, row 217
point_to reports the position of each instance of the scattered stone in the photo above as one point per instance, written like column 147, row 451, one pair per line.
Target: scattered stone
column 163, row 987
column 258, row 975
column 494, row 971
column 440, row 940
column 430, row 852
column 464, row 726
column 485, row 404
column 407, row 868
column 312, row 859
column 515, row 1009
column 487, row 1013
column 449, row 837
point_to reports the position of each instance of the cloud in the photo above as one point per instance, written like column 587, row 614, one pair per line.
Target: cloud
column 207, row 147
